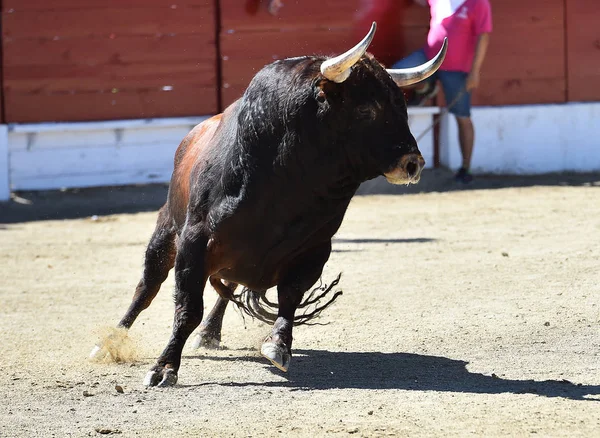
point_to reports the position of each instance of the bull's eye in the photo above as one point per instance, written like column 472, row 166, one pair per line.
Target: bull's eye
column 366, row 112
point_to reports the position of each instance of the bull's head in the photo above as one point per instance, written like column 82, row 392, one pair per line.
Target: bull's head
column 371, row 103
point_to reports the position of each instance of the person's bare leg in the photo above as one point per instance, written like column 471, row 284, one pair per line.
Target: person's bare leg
column 466, row 138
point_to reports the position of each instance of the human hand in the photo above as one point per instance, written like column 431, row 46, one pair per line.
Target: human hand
column 275, row 6
column 472, row 80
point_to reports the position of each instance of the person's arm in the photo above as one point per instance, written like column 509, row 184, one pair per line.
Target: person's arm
column 480, row 51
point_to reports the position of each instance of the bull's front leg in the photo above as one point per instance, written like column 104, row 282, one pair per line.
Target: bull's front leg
column 277, row 347
column 190, row 279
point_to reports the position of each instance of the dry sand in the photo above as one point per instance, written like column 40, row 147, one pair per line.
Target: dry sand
column 465, row 313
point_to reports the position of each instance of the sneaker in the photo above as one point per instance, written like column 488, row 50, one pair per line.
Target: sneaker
column 463, row 175
column 420, row 97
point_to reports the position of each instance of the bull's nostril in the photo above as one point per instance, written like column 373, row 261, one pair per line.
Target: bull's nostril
column 412, row 168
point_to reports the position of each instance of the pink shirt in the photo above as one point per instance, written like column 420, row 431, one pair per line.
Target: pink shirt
column 462, row 21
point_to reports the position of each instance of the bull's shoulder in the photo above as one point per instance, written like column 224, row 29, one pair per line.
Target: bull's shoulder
column 197, row 138
column 190, row 149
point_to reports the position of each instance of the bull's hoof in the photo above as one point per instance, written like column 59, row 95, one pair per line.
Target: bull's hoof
column 98, row 353
column 114, row 346
column 277, row 354
column 206, row 340
column 161, row 377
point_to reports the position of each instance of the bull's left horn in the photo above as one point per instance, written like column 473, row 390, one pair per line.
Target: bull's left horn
column 409, row 76
column 338, row 69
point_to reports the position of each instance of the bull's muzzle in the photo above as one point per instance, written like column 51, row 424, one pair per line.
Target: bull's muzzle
column 408, row 170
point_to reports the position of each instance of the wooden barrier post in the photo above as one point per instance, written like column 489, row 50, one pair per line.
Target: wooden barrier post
column 4, row 168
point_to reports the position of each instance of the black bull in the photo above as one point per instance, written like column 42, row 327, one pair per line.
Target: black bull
column 258, row 192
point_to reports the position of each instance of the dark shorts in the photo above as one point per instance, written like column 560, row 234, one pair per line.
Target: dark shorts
column 453, row 83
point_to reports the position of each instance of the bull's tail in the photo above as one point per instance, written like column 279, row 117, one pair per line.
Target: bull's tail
column 257, row 305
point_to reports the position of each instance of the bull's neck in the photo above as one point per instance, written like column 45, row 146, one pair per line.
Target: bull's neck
column 342, row 189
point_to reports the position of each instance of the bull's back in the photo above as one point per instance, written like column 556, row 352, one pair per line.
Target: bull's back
column 193, row 147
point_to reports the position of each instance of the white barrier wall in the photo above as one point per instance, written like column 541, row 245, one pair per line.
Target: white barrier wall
column 420, row 121
column 66, row 155
column 509, row 140
column 529, row 139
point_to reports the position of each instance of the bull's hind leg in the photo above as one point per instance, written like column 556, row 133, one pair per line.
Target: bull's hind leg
column 305, row 272
column 209, row 333
column 160, row 258
column 190, row 278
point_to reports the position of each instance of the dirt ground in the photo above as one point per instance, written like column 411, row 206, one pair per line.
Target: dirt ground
column 466, row 312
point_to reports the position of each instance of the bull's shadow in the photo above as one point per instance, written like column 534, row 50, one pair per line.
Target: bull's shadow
column 319, row 369
column 442, row 180
column 100, row 201
column 341, row 244
column 383, row 241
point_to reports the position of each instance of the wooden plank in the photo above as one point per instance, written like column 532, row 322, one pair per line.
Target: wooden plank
column 520, row 91
column 583, row 51
column 148, row 175
column 399, row 30
column 91, row 165
column 230, row 93
column 109, row 22
column 582, row 9
column 122, row 50
column 19, row 5
column 98, row 60
column 189, row 101
column 525, row 63
column 542, row 57
column 89, row 160
column 415, row 15
column 252, row 15
column 244, row 54
column 55, row 78
column 580, row 89
column 413, row 38
column 532, row 15
column 82, row 135
column 388, row 44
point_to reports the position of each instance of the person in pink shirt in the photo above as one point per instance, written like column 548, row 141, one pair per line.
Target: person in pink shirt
column 467, row 24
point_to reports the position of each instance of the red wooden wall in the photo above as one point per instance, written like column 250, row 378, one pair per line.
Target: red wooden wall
column 583, row 50
column 526, row 61
column 71, row 60
column 108, row 59
column 250, row 37
column 541, row 51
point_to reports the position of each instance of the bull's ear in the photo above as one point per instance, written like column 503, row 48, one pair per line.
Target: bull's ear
column 323, row 89
column 321, row 96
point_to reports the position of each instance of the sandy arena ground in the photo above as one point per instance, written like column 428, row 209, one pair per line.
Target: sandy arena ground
column 465, row 313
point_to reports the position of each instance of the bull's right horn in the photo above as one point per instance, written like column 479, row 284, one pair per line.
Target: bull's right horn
column 408, row 76
column 338, row 69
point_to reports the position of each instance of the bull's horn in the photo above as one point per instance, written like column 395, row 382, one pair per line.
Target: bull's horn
column 409, row 76
column 338, row 69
